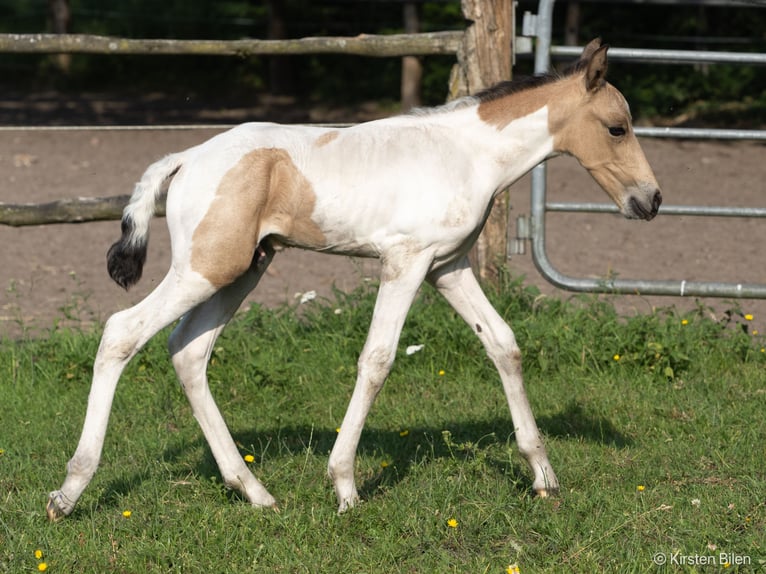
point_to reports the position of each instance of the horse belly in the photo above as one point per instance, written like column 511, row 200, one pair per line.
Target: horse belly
column 367, row 219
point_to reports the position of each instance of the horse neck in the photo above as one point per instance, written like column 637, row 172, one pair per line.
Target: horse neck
column 520, row 126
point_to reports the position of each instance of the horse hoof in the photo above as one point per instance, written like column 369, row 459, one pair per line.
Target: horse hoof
column 546, row 492
column 347, row 504
column 53, row 511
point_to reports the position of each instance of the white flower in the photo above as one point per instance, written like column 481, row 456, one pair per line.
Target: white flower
column 308, row 296
column 412, row 349
column 696, row 502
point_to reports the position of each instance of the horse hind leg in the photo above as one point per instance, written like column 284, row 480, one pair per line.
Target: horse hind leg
column 191, row 345
column 459, row 287
column 125, row 333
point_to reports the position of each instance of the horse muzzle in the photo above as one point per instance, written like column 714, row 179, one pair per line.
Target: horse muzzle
column 644, row 208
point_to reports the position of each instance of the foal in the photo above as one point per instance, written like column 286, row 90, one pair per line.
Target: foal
column 412, row 190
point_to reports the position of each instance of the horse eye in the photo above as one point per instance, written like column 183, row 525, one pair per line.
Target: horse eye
column 616, row 131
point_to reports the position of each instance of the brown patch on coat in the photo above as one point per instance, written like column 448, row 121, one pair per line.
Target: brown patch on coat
column 502, row 111
column 324, row 139
column 263, row 194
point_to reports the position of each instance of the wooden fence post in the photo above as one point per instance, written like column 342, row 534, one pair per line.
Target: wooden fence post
column 484, row 59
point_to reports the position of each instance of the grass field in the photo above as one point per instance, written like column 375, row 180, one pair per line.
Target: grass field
column 654, row 424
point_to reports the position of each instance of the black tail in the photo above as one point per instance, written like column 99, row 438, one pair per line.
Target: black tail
column 125, row 259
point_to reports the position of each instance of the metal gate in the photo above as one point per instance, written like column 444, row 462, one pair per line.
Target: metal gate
column 540, row 27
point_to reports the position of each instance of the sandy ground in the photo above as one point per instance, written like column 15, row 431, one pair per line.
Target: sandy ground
column 56, row 274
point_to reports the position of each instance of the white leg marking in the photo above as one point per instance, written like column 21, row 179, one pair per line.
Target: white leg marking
column 125, row 333
column 191, row 344
column 394, row 300
column 459, row 286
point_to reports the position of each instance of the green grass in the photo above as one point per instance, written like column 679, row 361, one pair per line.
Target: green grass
column 680, row 414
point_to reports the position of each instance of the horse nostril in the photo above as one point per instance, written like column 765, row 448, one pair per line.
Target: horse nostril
column 656, row 201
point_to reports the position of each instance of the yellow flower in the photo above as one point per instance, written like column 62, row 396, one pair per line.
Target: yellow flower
column 384, row 463
column 249, row 458
column 452, row 523
column 684, row 321
column 404, row 433
column 755, row 331
column 38, row 554
column 640, row 488
column 748, row 317
column 726, row 565
column 441, row 372
column 337, row 429
column 616, row 357
column 42, row 566
column 513, row 569
column 127, row 513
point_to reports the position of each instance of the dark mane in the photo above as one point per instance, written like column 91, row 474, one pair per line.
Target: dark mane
column 503, row 89
column 514, row 86
column 527, row 82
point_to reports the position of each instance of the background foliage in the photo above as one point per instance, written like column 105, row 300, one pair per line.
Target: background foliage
column 721, row 93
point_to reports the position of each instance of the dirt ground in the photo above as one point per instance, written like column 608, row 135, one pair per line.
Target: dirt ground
column 57, row 274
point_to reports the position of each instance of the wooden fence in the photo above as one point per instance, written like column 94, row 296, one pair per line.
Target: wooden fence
column 70, row 210
column 483, row 54
column 394, row 45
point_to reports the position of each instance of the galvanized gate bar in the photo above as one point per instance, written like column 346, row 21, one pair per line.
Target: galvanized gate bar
column 670, row 56
column 692, row 210
column 700, row 133
column 676, row 287
column 539, row 205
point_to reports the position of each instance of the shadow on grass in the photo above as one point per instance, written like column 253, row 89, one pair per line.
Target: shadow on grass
column 120, row 487
column 575, row 421
column 421, row 445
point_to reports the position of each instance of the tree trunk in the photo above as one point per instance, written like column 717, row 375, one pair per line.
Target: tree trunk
column 572, row 30
column 412, row 69
column 280, row 67
column 60, row 16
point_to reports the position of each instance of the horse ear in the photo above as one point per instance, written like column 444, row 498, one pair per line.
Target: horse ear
column 590, row 49
column 595, row 73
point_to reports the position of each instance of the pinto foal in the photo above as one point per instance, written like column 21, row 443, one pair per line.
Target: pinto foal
column 412, row 190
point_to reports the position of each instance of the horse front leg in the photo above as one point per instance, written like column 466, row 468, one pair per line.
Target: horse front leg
column 400, row 279
column 459, row 286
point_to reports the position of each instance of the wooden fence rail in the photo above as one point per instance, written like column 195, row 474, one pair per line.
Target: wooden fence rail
column 383, row 46
column 71, row 210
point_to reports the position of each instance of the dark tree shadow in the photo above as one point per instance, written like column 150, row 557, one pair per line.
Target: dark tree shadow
column 422, row 445
column 574, row 421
